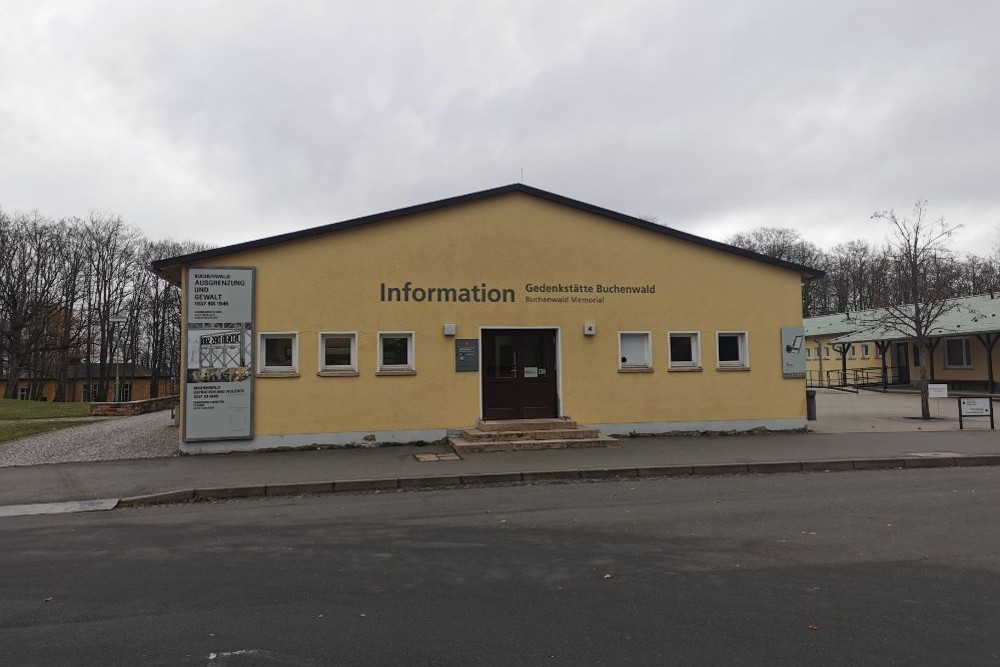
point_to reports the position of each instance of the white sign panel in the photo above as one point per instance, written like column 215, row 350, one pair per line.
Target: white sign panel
column 793, row 353
column 937, row 391
column 218, row 378
column 974, row 407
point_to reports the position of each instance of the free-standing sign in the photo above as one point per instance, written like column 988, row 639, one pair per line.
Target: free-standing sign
column 975, row 407
column 793, row 356
column 937, row 390
column 218, row 378
column 978, row 406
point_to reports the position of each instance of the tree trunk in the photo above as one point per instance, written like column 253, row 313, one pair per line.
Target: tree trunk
column 154, row 383
column 925, row 402
column 988, row 341
column 883, row 348
column 12, row 379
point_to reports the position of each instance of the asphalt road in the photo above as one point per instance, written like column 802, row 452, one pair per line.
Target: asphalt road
column 854, row 568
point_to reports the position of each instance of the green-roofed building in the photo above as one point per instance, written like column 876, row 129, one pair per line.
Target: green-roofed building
column 852, row 349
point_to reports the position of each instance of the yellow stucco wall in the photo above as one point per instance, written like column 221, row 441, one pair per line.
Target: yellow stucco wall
column 331, row 283
column 976, row 374
column 820, row 345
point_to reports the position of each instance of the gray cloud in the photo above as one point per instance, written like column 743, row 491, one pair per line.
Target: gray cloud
column 226, row 121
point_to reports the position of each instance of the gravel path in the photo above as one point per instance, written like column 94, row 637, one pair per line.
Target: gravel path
column 145, row 436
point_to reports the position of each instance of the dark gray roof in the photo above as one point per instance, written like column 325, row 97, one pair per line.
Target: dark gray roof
column 169, row 268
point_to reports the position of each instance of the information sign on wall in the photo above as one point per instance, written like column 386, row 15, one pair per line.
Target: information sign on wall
column 466, row 355
column 793, row 355
column 218, row 387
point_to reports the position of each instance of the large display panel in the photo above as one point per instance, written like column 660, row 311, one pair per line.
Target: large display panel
column 218, row 387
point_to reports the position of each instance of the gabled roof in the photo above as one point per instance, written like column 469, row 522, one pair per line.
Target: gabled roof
column 969, row 315
column 170, row 268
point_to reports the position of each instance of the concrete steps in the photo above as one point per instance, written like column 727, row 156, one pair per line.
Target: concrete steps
column 478, row 435
column 528, row 434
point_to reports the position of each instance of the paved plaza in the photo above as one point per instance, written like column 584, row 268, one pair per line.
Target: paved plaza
column 875, row 412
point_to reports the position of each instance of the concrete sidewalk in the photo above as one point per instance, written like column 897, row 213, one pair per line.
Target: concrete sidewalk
column 232, row 475
column 854, row 431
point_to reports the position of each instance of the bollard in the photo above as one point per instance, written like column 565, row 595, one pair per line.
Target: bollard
column 811, row 405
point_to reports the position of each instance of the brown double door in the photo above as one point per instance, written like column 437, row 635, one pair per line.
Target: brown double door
column 519, row 374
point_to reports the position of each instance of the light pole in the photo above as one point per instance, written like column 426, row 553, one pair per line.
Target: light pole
column 116, row 319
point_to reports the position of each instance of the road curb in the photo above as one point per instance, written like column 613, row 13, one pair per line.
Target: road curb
column 719, row 469
column 366, row 484
column 571, row 474
column 931, row 462
column 162, row 498
column 879, row 463
column 298, row 488
column 978, row 460
column 226, row 492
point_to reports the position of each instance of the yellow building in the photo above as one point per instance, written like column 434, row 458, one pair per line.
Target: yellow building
column 832, row 363
column 961, row 354
column 135, row 383
column 511, row 303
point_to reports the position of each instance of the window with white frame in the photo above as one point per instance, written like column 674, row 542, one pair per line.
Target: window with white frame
column 279, row 353
column 125, row 392
column 852, row 353
column 338, row 353
column 732, row 349
column 865, row 350
column 685, row 349
column 634, row 351
column 826, row 351
column 809, row 353
column 22, row 393
column 957, row 353
column 395, row 352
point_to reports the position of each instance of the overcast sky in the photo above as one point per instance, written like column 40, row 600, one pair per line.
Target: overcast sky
column 225, row 121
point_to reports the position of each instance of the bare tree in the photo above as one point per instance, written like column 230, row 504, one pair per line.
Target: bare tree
column 977, row 275
column 112, row 247
column 72, row 257
column 60, row 285
column 858, row 273
column 28, row 293
column 921, row 286
column 162, row 308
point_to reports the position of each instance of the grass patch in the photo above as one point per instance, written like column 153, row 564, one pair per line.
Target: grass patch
column 13, row 409
column 22, row 429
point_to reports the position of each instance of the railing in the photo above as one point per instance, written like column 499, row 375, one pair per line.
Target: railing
column 854, row 379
